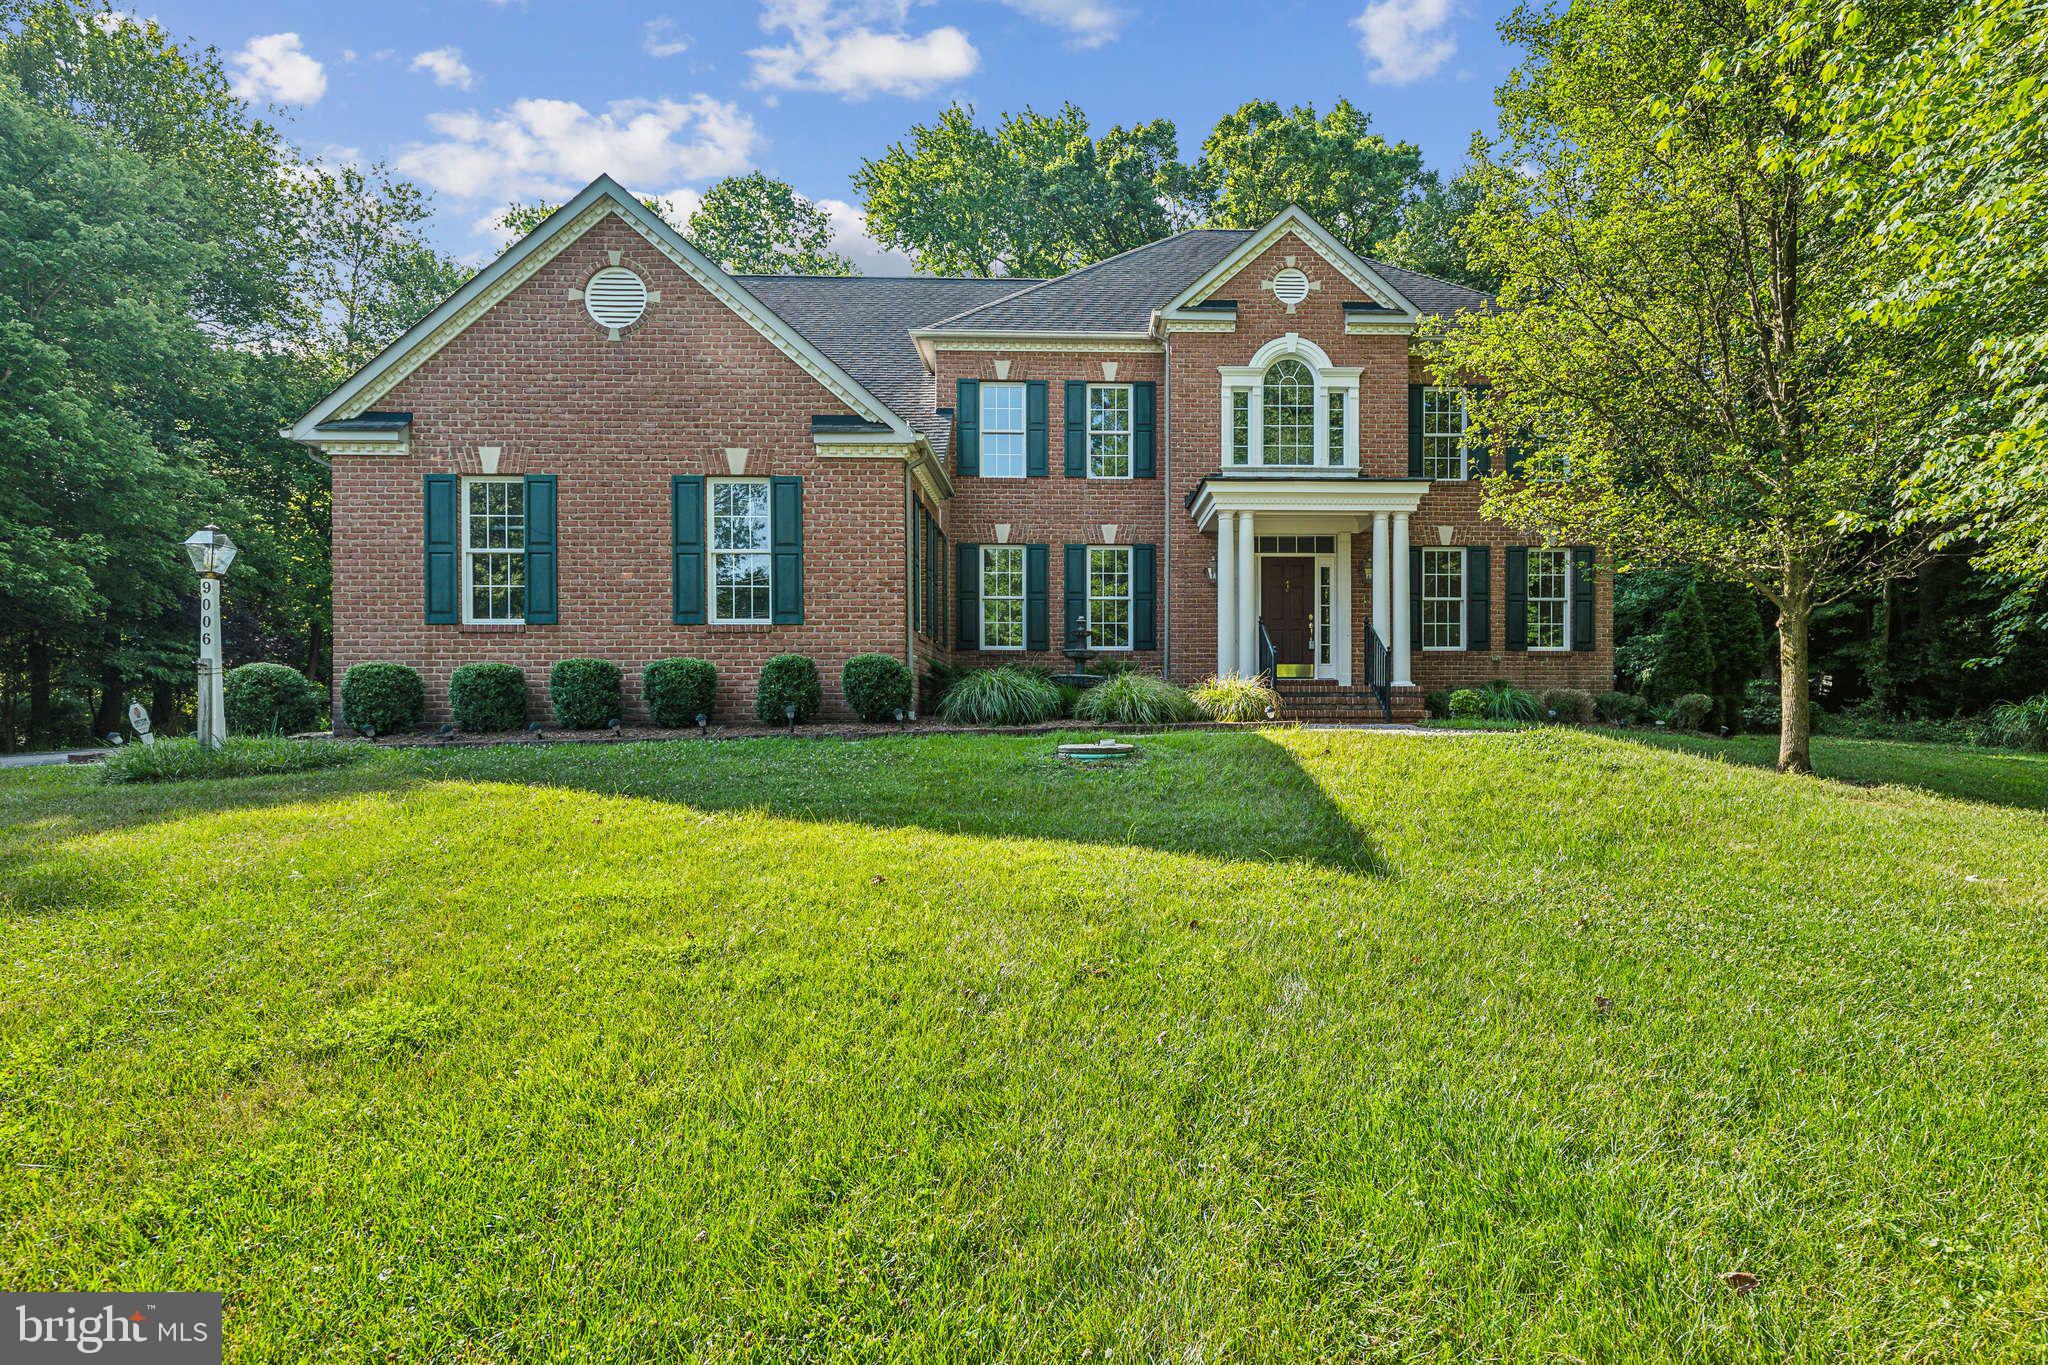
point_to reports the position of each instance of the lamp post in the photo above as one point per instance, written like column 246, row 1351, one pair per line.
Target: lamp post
column 211, row 552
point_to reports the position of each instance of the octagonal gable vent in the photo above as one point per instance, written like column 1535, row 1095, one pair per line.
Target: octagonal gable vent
column 616, row 297
column 1290, row 286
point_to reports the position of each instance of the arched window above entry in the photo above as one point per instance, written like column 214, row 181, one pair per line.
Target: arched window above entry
column 1290, row 409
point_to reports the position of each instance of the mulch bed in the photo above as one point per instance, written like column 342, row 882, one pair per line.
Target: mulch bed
column 854, row 730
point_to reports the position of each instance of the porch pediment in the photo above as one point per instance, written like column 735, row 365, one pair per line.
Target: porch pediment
column 1341, row 498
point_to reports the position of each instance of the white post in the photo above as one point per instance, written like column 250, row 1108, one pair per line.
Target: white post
column 1401, row 642
column 1341, row 647
column 212, row 704
column 1247, row 600
column 1226, row 594
column 1382, row 585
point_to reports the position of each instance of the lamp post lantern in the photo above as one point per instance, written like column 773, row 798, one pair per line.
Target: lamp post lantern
column 211, row 551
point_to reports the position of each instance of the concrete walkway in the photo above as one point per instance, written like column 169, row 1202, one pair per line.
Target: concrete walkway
column 37, row 760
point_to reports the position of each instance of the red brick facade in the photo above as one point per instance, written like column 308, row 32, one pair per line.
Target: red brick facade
column 615, row 420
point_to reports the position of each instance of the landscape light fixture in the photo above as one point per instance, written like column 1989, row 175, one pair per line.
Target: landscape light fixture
column 211, row 551
column 703, row 725
column 789, row 714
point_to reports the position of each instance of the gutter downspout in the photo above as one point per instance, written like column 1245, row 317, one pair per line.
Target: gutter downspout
column 1163, row 419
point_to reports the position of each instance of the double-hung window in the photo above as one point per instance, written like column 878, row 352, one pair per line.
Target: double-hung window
column 1443, row 433
column 1109, row 596
column 1443, row 599
column 1002, row 431
column 741, row 562
column 494, row 551
column 1550, row 580
column 1109, row 431
column 1002, row 597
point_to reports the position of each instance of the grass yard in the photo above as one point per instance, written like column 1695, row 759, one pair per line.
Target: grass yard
column 1285, row 1044
column 2004, row 777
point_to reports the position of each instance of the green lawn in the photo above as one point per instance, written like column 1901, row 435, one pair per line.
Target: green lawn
column 2001, row 776
column 1284, row 1044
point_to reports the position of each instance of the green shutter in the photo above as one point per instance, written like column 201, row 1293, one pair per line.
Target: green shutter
column 1144, row 598
column 1414, row 599
column 786, row 540
column 1035, row 636
column 540, row 550
column 686, row 549
column 443, row 608
column 1415, row 431
column 1077, row 429
column 1478, row 459
column 1076, row 595
column 1478, row 598
column 1143, row 404
column 1582, row 597
column 939, row 621
column 967, row 629
column 1518, row 597
column 967, row 424
column 918, row 601
column 1034, row 429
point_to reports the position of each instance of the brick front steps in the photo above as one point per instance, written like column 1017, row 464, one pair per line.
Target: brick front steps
column 1312, row 701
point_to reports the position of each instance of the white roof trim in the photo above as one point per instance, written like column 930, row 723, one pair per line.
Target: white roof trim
column 600, row 197
column 1327, row 496
column 1292, row 219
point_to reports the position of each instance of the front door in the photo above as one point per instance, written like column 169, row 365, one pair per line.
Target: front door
column 1287, row 605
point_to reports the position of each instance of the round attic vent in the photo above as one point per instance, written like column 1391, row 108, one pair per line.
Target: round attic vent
column 1290, row 286
column 616, row 297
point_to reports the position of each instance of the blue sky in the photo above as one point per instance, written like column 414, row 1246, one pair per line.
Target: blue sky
column 487, row 101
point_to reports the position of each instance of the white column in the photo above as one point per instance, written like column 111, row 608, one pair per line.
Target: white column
column 1401, row 642
column 1226, row 594
column 1345, row 645
column 1382, row 585
column 1247, row 600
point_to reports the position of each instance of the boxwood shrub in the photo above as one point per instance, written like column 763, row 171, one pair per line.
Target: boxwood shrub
column 1689, row 712
column 1466, row 703
column 386, row 697
column 1567, row 706
column 1621, row 708
column 788, row 680
column 877, row 686
column 677, row 691
column 585, row 693
column 485, row 697
column 269, row 699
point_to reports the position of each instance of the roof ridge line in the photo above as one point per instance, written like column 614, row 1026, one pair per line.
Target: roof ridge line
column 894, row 279
column 1071, row 274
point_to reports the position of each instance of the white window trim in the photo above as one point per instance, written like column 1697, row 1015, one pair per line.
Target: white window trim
column 1331, row 380
column 1022, row 599
column 1023, row 431
column 1527, row 599
column 1464, row 473
column 712, row 552
column 1129, row 599
column 469, row 552
column 1130, row 434
column 1464, row 598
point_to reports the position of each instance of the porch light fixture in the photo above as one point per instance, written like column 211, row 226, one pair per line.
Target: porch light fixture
column 211, row 551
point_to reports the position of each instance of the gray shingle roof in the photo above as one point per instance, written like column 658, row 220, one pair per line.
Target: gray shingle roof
column 1430, row 294
column 1114, row 295
column 863, row 323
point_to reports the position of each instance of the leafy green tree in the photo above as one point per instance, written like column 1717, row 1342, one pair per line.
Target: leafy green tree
column 1039, row 195
column 1735, row 636
column 754, row 225
column 1260, row 158
column 520, row 219
column 1685, row 653
column 1680, row 347
column 1430, row 236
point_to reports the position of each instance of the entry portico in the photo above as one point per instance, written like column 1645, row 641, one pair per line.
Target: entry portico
column 1261, row 518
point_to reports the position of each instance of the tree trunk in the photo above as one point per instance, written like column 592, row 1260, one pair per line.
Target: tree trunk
column 163, row 706
column 38, row 692
column 113, row 701
column 1795, row 703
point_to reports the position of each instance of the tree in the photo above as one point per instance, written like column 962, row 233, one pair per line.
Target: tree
column 1259, row 159
column 753, row 225
column 1735, row 636
column 1038, row 196
column 1685, row 655
column 520, row 219
column 1679, row 349
column 1430, row 236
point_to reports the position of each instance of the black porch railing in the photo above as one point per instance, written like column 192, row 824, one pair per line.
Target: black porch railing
column 1378, row 669
column 1269, row 659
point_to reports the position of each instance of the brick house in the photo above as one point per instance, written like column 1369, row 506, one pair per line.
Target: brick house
column 1215, row 452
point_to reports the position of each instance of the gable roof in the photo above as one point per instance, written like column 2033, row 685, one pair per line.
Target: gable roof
column 1116, row 294
column 563, row 226
column 1398, row 307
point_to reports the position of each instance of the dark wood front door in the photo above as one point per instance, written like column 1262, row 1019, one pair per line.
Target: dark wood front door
column 1286, row 599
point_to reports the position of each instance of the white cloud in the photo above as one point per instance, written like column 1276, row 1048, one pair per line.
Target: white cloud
column 1089, row 23
column 661, row 39
column 551, row 148
column 446, row 66
column 275, row 69
column 858, row 48
column 850, row 239
column 1404, row 40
